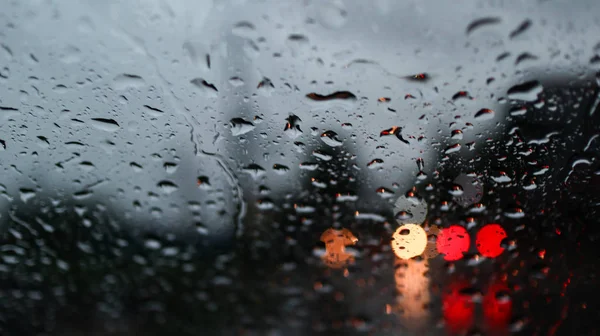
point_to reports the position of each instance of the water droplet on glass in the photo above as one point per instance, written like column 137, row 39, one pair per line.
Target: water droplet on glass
column 521, row 28
column 339, row 95
column 452, row 149
column 385, row 192
column 128, row 81
column 236, row 81
column 500, row 177
column 203, row 182
column 410, row 210
column 292, row 126
column 240, row 126
column 456, row 190
column 322, row 155
column 331, row 139
column 26, row 194
column 254, row 170
column 527, row 91
column 484, row 114
column 170, row 167
column 280, row 169
column 472, row 190
column 514, row 213
column 167, row 186
column 482, row 22
column 205, row 87
column 105, row 124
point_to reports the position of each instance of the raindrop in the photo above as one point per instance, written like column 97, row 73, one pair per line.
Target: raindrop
column 203, row 182
column 456, row 135
column 201, row 228
column 104, row 124
column 265, row 204
column 482, row 22
column 514, row 213
column 420, row 77
column 236, row 81
column 331, row 139
column 340, row 95
column 254, row 170
column 280, row 169
column 322, row 155
column 501, row 177
column 410, row 210
column 520, row 29
column 136, row 167
column 472, row 190
column 375, row 163
column 527, row 91
column 292, row 126
column 456, row 190
column 385, row 192
column 403, row 215
column 167, row 186
column 87, row 166
column 26, row 194
column 525, row 57
column 265, row 86
column 152, row 244
column 518, row 111
column 240, row 126
column 484, row 114
column 297, row 40
column 205, row 87
column 303, row 208
column 346, row 197
column 153, row 111
column 243, row 29
column 317, row 183
column 452, row 149
column 396, row 130
column 170, row 167
column 461, row 95
column 127, row 81
column 309, row 166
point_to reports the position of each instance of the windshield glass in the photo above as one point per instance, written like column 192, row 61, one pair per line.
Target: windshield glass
column 299, row 167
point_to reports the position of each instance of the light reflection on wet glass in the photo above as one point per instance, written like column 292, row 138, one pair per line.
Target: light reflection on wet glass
column 457, row 308
column 413, row 294
column 336, row 241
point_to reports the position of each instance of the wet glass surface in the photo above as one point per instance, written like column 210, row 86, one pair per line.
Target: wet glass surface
column 299, row 167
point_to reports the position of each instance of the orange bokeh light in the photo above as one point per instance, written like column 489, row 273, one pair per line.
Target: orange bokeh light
column 453, row 241
column 336, row 241
column 489, row 239
column 413, row 296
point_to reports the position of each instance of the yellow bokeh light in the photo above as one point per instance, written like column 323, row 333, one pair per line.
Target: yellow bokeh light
column 409, row 241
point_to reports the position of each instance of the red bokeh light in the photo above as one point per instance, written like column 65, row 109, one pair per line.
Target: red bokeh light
column 458, row 309
column 497, row 307
column 453, row 242
column 489, row 239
